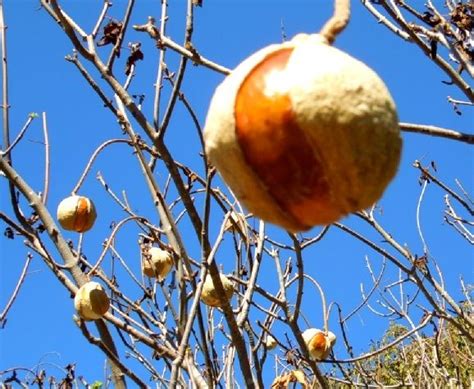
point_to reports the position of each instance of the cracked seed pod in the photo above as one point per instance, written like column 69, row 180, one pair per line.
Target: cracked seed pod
column 303, row 133
column 319, row 343
column 91, row 301
column 235, row 218
column 157, row 263
column 209, row 294
column 76, row 213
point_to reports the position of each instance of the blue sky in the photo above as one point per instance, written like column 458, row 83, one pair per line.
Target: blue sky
column 40, row 327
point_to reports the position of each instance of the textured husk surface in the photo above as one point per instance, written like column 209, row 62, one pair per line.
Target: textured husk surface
column 76, row 213
column 209, row 294
column 346, row 113
column 157, row 263
column 91, row 302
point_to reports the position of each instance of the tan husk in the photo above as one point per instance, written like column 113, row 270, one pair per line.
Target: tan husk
column 157, row 263
column 209, row 295
column 76, row 213
column 347, row 115
column 233, row 220
column 91, row 301
column 319, row 343
column 270, row 342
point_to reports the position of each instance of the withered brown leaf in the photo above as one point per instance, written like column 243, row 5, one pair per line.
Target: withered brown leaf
column 111, row 34
column 135, row 55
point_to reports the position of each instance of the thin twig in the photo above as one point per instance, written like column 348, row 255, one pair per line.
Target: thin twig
column 93, row 158
column 110, row 354
column 432, row 178
column 118, row 43
column 47, row 164
column 161, row 67
column 16, row 291
column 20, row 135
column 425, row 321
column 167, row 42
column 437, row 131
column 101, row 17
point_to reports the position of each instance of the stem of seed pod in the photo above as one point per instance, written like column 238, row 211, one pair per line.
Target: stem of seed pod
column 338, row 21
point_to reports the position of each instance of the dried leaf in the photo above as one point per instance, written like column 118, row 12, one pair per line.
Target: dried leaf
column 300, row 377
column 430, row 19
column 8, row 233
column 433, row 48
column 462, row 16
column 281, row 382
column 284, row 380
column 111, row 33
column 135, row 55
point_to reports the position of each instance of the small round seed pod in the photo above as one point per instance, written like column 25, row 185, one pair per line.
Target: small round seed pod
column 157, row 263
column 270, row 342
column 303, row 133
column 319, row 343
column 91, row 301
column 209, row 294
column 76, row 213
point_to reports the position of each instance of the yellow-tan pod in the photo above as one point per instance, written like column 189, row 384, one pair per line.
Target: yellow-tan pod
column 91, row 302
column 303, row 133
column 157, row 263
column 319, row 343
column 76, row 213
column 209, row 295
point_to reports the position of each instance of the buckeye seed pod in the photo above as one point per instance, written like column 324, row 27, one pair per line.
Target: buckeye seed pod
column 303, row 133
column 270, row 342
column 157, row 263
column 319, row 343
column 91, row 301
column 233, row 220
column 76, row 213
column 209, row 294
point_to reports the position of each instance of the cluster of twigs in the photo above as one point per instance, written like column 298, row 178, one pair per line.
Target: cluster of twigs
column 162, row 325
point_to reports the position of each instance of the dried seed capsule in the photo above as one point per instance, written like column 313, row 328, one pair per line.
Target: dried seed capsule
column 319, row 343
column 209, row 294
column 91, row 301
column 303, row 133
column 76, row 213
column 157, row 263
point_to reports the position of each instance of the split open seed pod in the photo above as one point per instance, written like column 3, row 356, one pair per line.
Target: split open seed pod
column 303, row 133
column 319, row 343
column 209, row 295
column 91, row 301
column 76, row 213
column 157, row 263
column 233, row 220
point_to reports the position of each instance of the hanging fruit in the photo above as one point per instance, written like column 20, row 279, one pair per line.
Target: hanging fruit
column 91, row 301
column 76, row 213
column 319, row 343
column 209, row 295
column 303, row 133
column 157, row 263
